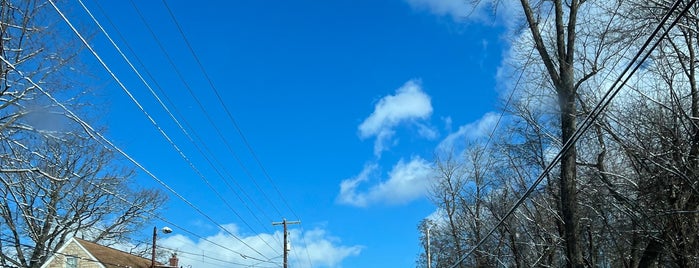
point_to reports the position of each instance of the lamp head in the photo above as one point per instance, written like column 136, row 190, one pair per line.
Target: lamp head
column 166, row 230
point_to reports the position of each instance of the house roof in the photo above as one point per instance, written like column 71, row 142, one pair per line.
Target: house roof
column 113, row 258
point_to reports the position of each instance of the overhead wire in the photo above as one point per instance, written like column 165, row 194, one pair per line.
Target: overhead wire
column 207, row 115
column 225, row 107
column 188, row 125
column 218, row 259
column 203, row 109
column 179, row 124
column 108, row 144
column 517, row 84
column 140, row 107
column 587, row 123
column 178, row 251
column 508, row 101
column 126, row 201
column 125, row 89
column 230, row 115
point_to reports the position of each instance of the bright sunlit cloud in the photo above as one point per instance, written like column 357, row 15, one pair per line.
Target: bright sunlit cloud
column 406, row 182
column 409, row 105
column 310, row 248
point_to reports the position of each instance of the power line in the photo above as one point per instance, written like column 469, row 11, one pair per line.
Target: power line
column 497, row 123
column 221, row 102
column 93, row 133
column 587, row 123
column 147, row 242
column 228, row 113
column 219, row 260
column 108, row 144
column 104, row 65
column 186, row 123
column 207, row 115
column 124, row 200
column 155, row 95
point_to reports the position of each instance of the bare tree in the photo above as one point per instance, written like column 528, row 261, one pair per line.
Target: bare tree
column 573, row 52
column 658, row 133
column 534, row 232
column 65, row 188
column 627, row 194
column 55, row 180
column 449, row 185
column 560, row 62
column 467, row 199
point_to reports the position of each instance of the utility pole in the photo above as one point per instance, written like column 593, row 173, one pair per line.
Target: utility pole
column 155, row 235
column 429, row 257
column 286, row 247
column 165, row 230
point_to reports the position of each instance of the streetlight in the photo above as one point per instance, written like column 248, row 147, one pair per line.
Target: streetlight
column 165, row 230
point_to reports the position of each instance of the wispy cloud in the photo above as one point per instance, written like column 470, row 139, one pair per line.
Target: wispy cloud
column 408, row 105
column 406, row 182
column 454, row 8
column 470, row 10
column 456, row 141
column 314, row 248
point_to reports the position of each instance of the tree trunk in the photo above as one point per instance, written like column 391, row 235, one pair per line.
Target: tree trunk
column 568, row 187
column 563, row 80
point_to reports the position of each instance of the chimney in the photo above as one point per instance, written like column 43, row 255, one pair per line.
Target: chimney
column 174, row 261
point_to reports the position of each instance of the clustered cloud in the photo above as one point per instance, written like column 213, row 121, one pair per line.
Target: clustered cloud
column 407, row 180
column 409, row 105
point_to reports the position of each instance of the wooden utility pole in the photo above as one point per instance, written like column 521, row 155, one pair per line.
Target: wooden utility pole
column 286, row 247
column 155, row 235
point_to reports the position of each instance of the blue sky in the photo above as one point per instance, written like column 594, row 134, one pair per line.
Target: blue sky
column 342, row 102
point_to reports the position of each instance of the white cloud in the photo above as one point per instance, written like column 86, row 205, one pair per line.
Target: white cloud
column 407, row 181
column 408, row 105
column 314, row 248
column 410, row 180
column 348, row 187
column 481, row 128
column 322, row 251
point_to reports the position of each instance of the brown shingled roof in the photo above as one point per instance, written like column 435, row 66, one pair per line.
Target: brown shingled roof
column 114, row 258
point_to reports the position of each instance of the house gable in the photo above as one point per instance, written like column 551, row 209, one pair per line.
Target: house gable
column 93, row 255
column 73, row 248
column 113, row 258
